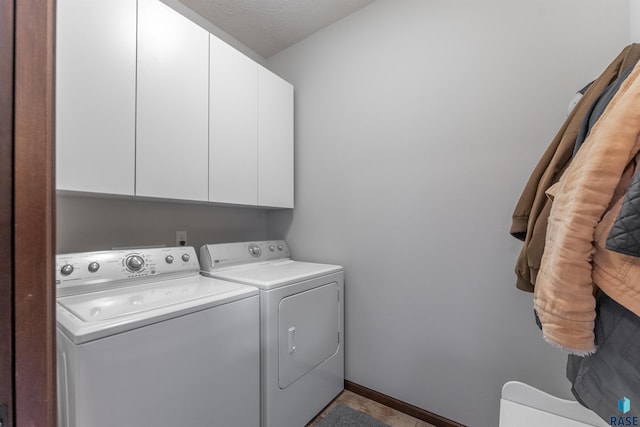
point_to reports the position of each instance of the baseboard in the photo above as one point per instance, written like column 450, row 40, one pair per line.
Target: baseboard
column 401, row 406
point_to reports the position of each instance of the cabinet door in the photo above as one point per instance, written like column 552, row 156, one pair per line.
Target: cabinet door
column 233, row 120
column 173, row 104
column 95, row 95
column 275, row 140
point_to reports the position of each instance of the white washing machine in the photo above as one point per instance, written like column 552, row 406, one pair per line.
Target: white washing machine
column 522, row 405
column 301, row 326
column 144, row 340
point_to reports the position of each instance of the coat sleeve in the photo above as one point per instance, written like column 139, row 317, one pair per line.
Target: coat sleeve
column 563, row 296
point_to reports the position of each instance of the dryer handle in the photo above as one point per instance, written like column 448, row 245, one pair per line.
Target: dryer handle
column 292, row 339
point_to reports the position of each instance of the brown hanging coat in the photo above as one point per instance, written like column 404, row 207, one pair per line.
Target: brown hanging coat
column 530, row 216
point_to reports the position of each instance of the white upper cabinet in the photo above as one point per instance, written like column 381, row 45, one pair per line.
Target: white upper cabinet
column 251, row 132
column 150, row 104
column 95, row 95
column 275, row 140
column 233, row 122
column 172, row 104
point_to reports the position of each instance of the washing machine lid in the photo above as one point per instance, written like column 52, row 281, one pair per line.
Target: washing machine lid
column 273, row 274
column 89, row 316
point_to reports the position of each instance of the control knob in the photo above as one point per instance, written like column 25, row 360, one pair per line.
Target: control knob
column 66, row 269
column 134, row 263
column 169, row 259
column 255, row 250
column 93, row 267
column 186, row 257
column 272, row 248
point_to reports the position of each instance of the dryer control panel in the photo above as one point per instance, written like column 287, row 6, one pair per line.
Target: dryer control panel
column 77, row 271
column 222, row 255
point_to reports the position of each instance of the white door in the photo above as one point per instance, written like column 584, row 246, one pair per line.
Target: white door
column 95, row 95
column 173, row 104
column 275, row 140
column 308, row 331
column 233, row 140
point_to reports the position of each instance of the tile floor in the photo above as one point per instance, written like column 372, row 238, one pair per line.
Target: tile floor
column 374, row 409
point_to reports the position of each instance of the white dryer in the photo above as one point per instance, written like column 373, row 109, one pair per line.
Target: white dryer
column 301, row 326
column 144, row 340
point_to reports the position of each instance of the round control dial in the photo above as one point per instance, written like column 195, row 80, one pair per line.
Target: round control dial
column 169, row 259
column 255, row 250
column 93, row 267
column 66, row 269
column 134, row 263
column 186, row 257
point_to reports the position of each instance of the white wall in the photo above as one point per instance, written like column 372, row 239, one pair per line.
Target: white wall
column 90, row 224
column 417, row 125
column 634, row 13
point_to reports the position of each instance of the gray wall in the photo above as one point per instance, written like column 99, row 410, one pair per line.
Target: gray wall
column 634, row 6
column 88, row 224
column 417, row 125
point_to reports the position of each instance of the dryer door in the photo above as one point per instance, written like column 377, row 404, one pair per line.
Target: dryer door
column 308, row 331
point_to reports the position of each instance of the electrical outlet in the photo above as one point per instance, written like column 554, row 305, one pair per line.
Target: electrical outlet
column 181, row 238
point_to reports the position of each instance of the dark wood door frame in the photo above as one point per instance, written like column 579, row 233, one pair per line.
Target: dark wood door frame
column 6, row 210
column 27, row 184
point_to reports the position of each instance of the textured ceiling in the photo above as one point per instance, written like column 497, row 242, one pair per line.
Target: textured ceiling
column 268, row 26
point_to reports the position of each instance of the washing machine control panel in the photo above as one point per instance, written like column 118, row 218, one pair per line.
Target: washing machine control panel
column 77, row 271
